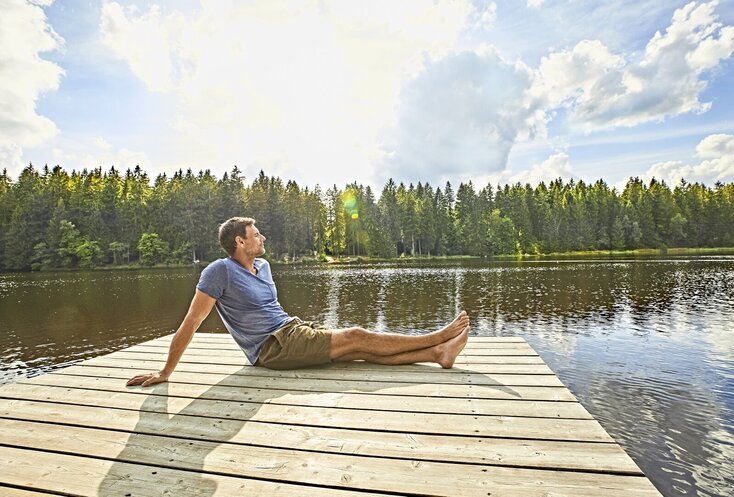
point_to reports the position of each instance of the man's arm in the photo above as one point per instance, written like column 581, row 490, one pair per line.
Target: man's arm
column 201, row 306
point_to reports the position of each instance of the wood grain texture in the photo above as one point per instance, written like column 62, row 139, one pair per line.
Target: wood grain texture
column 499, row 423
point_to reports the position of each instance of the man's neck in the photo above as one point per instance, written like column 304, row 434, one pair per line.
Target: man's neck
column 246, row 262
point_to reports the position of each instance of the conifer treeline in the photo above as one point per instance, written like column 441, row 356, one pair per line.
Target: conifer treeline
column 52, row 218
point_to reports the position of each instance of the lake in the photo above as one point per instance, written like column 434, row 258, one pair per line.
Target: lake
column 646, row 344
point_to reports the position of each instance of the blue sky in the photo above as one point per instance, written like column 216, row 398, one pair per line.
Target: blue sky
column 334, row 92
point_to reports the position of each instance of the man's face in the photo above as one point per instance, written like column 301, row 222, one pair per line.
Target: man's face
column 254, row 244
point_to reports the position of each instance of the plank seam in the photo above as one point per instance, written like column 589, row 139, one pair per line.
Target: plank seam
column 331, row 391
column 347, row 408
column 217, row 473
column 473, row 435
column 468, row 382
column 316, row 451
column 36, row 490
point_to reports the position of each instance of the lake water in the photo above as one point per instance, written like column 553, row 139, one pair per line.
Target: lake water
column 647, row 345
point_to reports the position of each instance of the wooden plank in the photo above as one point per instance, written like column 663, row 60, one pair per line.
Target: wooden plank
column 19, row 492
column 399, row 403
column 458, row 368
column 584, row 430
column 514, row 350
column 237, row 356
column 224, row 337
column 229, row 376
column 297, row 467
column 427, row 374
column 598, row 457
column 232, row 345
column 518, row 369
column 75, row 475
column 478, row 363
column 501, row 366
column 487, row 425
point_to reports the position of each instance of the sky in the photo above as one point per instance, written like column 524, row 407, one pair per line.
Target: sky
column 333, row 92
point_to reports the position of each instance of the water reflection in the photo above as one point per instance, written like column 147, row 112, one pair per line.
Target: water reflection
column 645, row 344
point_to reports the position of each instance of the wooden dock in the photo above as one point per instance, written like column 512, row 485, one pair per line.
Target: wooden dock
column 500, row 423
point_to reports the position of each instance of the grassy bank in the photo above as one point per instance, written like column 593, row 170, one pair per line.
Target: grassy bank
column 350, row 260
column 676, row 251
column 644, row 252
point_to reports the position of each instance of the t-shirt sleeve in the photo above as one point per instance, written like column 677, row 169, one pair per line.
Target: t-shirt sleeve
column 214, row 279
column 266, row 274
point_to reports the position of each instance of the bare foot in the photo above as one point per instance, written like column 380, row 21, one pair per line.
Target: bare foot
column 455, row 327
column 448, row 350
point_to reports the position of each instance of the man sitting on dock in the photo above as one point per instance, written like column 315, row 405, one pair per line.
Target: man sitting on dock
column 242, row 289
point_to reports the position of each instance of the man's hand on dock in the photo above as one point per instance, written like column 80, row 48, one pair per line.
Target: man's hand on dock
column 147, row 379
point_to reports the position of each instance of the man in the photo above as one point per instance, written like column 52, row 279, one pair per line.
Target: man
column 241, row 286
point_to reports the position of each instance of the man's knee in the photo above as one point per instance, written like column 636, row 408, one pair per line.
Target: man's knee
column 348, row 341
column 357, row 334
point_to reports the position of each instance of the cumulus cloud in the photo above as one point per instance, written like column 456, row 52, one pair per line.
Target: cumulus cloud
column 601, row 89
column 103, row 154
column 24, row 75
column 148, row 43
column 290, row 86
column 717, row 164
column 353, row 90
column 486, row 15
column 462, row 116
column 555, row 166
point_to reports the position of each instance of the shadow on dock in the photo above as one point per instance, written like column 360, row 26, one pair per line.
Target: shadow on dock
column 178, row 435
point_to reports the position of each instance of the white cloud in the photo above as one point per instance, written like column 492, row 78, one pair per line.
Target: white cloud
column 102, row 143
column 465, row 113
column 486, row 15
column 24, row 75
column 717, row 152
column 461, row 117
column 555, row 166
column 602, row 89
column 351, row 90
column 300, row 88
column 105, row 155
column 144, row 41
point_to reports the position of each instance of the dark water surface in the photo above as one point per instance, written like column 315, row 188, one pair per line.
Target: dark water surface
column 647, row 345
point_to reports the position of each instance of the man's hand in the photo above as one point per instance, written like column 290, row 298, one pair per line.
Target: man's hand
column 147, row 379
column 201, row 306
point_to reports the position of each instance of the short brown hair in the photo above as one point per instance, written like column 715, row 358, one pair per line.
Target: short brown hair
column 232, row 228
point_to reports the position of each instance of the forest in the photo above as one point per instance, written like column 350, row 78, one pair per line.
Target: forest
column 51, row 218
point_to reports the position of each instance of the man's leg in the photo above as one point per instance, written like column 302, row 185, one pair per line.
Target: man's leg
column 360, row 344
column 444, row 353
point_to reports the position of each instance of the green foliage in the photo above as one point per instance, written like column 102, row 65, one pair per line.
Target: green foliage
column 69, row 241
column 151, row 249
column 118, row 251
column 42, row 257
column 52, row 218
column 502, row 236
column 89, row 254
column 182, row 254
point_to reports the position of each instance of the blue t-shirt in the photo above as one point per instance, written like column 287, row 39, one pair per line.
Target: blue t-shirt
column 247, row 303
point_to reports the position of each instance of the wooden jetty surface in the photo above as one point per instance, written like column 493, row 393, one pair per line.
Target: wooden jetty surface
column 499, row 423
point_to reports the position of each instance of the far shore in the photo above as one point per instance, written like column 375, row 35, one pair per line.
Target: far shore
column 351, row 260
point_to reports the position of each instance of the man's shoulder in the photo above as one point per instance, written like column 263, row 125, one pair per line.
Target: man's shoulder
column 260, row 262
column 218, row 263
column 214, row 279
column 218, row 266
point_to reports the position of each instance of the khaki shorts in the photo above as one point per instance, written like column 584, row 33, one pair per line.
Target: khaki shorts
column 296, row 345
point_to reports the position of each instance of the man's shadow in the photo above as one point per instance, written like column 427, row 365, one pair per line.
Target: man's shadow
column 183, row 433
